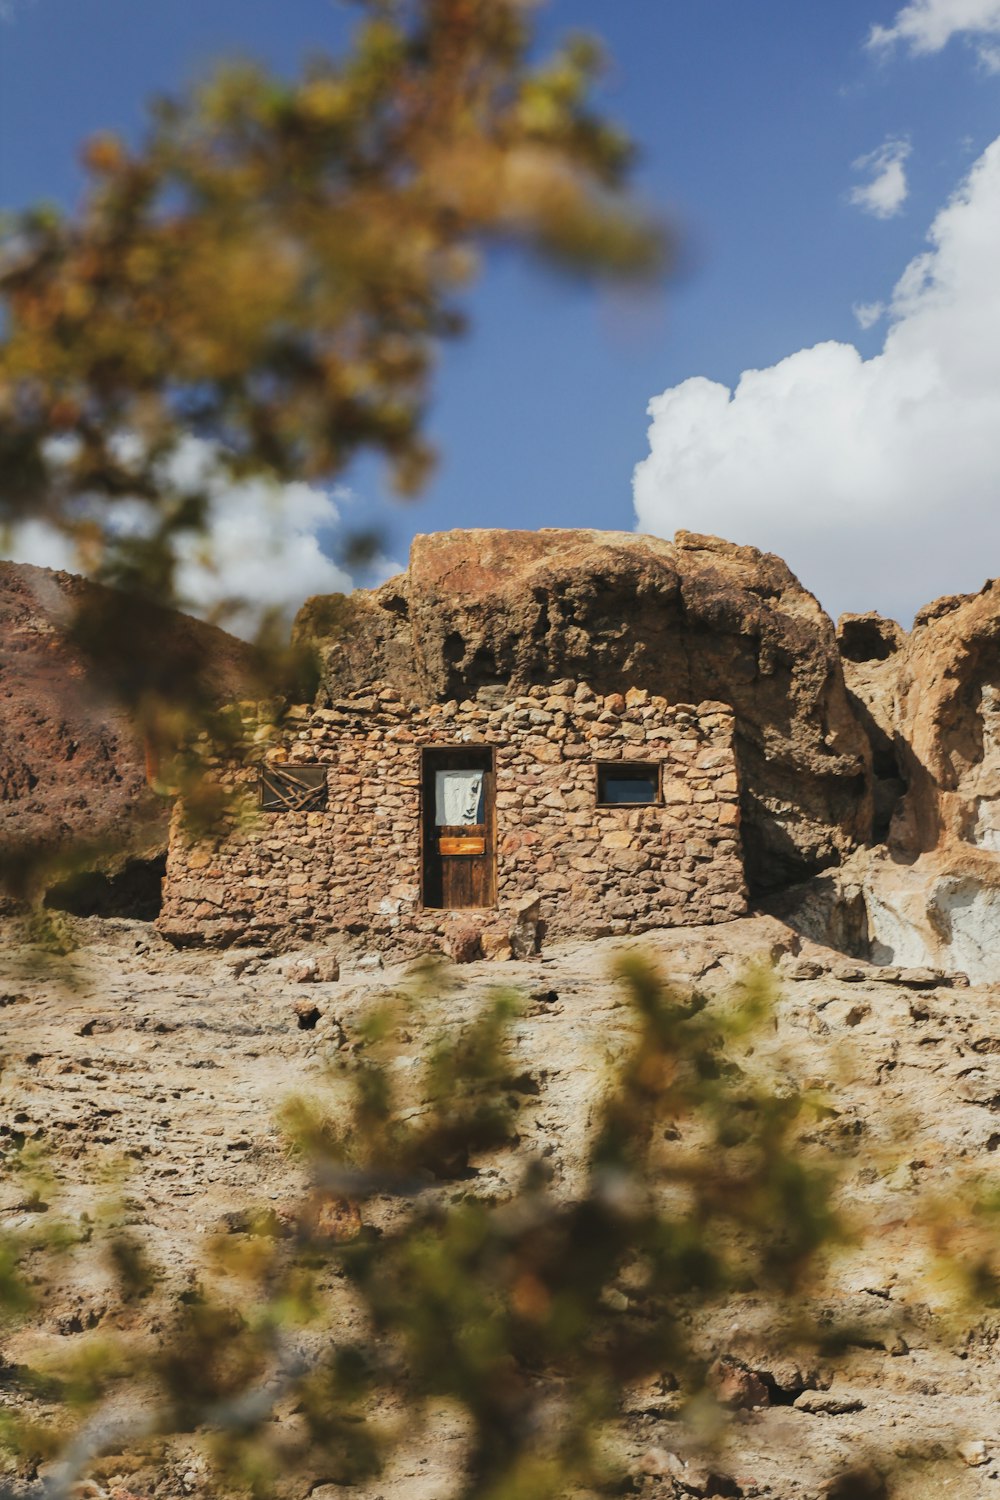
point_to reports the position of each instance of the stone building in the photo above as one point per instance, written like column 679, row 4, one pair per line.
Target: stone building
column 483, row 826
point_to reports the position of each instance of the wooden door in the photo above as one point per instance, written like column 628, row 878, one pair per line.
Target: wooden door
column 459, row 857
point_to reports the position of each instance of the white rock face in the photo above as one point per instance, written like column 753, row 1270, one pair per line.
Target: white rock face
column 921, row 916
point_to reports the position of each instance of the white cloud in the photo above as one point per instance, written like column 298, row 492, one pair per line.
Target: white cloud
column 878, row 480
column 868, row 313
column 887, row 191
column 263, row 543
column 35, row 542
column 928, row 25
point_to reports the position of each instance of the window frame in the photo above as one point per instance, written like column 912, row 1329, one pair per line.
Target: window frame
column 319, row 790
column 644, row 769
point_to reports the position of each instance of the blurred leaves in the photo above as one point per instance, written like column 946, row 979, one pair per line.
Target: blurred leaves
column 259, row 288
column 525, row 1310
column 272, row 269
column 445, row 1265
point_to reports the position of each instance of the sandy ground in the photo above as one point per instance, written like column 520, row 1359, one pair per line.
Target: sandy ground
column 151, row 1081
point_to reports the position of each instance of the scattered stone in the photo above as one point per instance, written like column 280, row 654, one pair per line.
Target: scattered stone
column 463, row 943
column 495, row 943
column 827, row 1404
column 974, row 1454
column 801, row 968
column 332, row 1218
column 736, row 1385
column 851, row 973
column 307, row 1014
column 98, row 1025
column 327, row 968
column 302, row 971
column 661, row 1463
column 923, row 979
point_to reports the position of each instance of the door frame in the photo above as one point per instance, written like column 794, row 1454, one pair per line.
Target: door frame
column 456, row 753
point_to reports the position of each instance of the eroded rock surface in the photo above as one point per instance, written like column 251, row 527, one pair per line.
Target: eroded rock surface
column 930, row 701
column 693, row 619
column 72, row 763
column 177, row 1063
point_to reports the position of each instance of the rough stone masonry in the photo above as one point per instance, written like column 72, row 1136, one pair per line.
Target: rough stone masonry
column 565, row 864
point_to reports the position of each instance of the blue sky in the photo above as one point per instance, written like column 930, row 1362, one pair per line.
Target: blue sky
column 874, row 467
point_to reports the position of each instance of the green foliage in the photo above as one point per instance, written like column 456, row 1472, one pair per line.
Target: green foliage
column 272, row 269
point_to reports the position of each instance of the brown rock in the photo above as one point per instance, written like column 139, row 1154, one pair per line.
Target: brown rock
column 495, row 943
column 308, row 1014
column 332, row 1218
column 327, row 968
column 302, row 971
column 73, row 767
column 736, row 1385
column 524, row 937
column 463, row 943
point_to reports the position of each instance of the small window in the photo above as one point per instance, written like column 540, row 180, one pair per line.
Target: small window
column 621, row 783
column 292, row 788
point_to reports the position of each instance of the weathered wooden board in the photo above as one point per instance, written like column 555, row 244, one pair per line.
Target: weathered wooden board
column 461, row 846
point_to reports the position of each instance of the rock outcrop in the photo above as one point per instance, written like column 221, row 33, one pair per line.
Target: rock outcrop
column 73, row 767
column 948, row 715
column 930, row 701
column 693, row 619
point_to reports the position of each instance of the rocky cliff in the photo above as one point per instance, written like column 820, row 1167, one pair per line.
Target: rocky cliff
column 931, row 702
column 74, row 658
column 692, row 619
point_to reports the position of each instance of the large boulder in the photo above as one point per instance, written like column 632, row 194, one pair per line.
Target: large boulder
column 693, row 619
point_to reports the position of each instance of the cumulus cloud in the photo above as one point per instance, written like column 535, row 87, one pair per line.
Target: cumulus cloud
column 263, row 544
column 878, row 480
column 928, row 25
column 886, row 191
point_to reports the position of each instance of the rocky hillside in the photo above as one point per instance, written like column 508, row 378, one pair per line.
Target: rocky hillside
column 176, row 1064
column 75, row 659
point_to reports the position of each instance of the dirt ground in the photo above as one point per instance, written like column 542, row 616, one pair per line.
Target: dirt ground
column 151, row 1081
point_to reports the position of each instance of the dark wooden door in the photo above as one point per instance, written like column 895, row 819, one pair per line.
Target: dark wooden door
column 459, row 859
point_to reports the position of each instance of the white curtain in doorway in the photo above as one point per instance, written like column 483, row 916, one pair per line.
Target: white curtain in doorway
column 457, row 797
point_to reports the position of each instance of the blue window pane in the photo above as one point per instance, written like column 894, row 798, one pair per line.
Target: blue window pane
column 628, row 789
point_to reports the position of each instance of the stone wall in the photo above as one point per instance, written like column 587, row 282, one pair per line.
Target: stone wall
column 566, row 867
